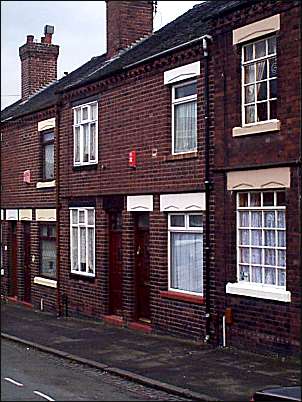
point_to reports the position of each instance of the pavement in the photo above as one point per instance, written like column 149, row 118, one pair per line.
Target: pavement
column 184, row 368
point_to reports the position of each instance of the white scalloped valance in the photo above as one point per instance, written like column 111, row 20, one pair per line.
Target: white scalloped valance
column 46, row 215
column 11, row 214
column 47, row 124
column 259, row 179
column 25, row 214
column 138, row 203
column 182, row 73
column 256, row 29
column 182, row 202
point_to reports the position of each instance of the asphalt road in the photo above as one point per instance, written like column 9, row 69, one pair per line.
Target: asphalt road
column 31, row 375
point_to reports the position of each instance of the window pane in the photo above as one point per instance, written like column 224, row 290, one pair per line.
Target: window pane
column 261, row 92
column 90, row 213
column 85, row 113
column 273, row 109
column 244, row 274
column 280, row 198
column 256, row 256
column 85, row 143
column 249, row 93
column 90, row 250
column 272, row 45
column 269, row 219
column 74, row 216
column 48, row 137
column 281, row 219
column 261, row 70
column 185, row 127
column 44, row 231
column 74, row 242
column 49, row 161
column 177, row 220
column 195, row 220
column 256, row 237
column 262, row 111
column 243, row 199
column 48, row 258
column 255, row 199
column 281, row 277
column 256, row 219
column 77, row 115
column 273, row 88
column 186, row 90
column 92, row 141
column 77, row 144
column 52, row 230
column 281, row 258
column 273, row 67
column 83, row 249
column 281, row 238
column 270, row 276
column 249, row 114
column 82, row 216
column 187, row 262
column 248, row 52
column 244, row 220
column 269, row 238
column 268, row 199
column 249, row 73
column 257, row 274
column 244, row 255
column 260, row 49
column 244, row 237
column 269, row 257
column 93, row 112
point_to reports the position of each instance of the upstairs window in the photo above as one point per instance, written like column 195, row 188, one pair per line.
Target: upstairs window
column 48, row 155
column 184, row 117
column 85, row 134
column 259, row 81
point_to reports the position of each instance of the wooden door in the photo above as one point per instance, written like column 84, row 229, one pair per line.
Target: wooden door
column 142, row 267
column 115, row 263
column 12, row 260
column 26, row 262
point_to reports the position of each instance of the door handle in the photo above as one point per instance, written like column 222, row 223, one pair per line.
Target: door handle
column 138, row 250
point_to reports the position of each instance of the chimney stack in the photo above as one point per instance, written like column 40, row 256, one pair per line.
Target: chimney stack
column 38, row 63
column 127, row 21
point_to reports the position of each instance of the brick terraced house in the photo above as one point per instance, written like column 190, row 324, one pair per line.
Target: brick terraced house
column 158, row 186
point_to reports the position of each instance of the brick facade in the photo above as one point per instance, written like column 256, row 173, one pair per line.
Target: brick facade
column 134, row 114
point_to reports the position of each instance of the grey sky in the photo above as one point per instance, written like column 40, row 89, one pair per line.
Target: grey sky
column 80, row 30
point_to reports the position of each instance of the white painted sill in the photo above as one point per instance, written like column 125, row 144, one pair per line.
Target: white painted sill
column 258, row 128
column 38, row 280
column 258, row 291
column 46, row 184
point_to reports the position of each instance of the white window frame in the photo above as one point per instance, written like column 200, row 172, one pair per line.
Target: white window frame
column 243, row 85
column 79, row 225
column 185, row 229
column 261, row 209
column 176, row 102
column 80, row 124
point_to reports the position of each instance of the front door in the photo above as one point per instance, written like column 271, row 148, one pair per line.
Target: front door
column 26, row 262
column 12, row 260
column 115, row 263
column 142, row 267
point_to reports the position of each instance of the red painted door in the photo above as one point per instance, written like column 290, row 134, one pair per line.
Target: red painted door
column 115, row 263
column 142, row 267
column 26, row 262
column 12, row 260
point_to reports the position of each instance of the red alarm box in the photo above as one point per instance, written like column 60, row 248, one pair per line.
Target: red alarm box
column 132, row 158
column 26, row 176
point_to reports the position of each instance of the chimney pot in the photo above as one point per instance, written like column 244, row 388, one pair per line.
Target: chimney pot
column 29, row 38
column 42, row 39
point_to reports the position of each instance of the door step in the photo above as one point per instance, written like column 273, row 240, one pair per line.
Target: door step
column 140, row 326
column 114, row 319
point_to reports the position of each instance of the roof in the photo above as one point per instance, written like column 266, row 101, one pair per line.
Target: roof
column 189, row 26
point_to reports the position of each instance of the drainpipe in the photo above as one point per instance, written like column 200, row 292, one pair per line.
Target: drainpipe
column 207, row 186
column 58, row 262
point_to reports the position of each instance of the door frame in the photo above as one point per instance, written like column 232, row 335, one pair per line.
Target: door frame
column 26, row 264
column 12, row 286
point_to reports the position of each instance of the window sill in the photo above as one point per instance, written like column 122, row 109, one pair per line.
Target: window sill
column 177, row 157
column 259, row 128
column 46, row 184
column 92, row 166
column 168, row 294
column 51, row 283
column 258, row 291
column 82, row 277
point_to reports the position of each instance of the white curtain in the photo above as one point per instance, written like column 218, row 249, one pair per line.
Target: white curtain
column 77, row 144
column 90, row 250
column 185, row 127
column 83, row 249
column 187, row 261
column 75, row 262
column 92, row 141
column 85, row 141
